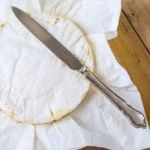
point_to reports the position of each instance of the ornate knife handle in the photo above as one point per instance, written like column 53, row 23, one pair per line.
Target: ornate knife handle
column 136, row 118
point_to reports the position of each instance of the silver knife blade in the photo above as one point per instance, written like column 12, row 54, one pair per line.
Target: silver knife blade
column 47, row 39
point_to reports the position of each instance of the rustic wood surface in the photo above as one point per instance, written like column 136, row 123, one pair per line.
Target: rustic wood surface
column 132, row 55
column 138, row 14
column 132, row 48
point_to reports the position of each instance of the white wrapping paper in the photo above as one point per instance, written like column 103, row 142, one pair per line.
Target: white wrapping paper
column 96, row 122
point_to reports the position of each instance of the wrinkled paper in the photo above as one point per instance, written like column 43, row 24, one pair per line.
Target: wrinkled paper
column 96, row 122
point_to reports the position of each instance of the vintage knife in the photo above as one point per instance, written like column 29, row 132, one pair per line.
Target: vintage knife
column 136, row 118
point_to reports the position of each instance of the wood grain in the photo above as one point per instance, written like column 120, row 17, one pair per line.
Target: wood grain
column 93, row 148
column 138, row 13
column 133, row 56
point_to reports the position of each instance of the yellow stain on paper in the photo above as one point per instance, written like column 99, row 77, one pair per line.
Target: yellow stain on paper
column 2, row 26
column 29, row 13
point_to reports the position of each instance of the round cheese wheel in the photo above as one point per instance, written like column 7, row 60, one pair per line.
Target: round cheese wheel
column 36, row 87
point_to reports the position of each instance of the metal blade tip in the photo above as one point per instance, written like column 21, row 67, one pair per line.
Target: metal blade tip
column 15, row 10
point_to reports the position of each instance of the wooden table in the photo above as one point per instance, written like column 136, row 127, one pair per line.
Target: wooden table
column 132, row 47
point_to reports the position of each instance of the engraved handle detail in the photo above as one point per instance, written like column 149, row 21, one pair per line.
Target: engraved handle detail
column 136, row 118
